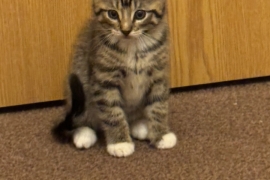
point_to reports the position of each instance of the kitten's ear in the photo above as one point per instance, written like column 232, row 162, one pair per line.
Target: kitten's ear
column 98, row 5
column 159, row 6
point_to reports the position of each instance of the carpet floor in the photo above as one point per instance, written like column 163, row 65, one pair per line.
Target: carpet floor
column 223, row 133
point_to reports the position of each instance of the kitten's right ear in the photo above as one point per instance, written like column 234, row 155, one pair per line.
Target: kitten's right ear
column 98, row 6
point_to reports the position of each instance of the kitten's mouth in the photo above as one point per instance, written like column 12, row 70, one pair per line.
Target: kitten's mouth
column 127, row 37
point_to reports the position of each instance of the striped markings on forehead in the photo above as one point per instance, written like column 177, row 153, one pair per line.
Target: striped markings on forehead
column 126, row 3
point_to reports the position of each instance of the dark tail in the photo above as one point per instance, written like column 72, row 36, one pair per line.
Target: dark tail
column 63, row 131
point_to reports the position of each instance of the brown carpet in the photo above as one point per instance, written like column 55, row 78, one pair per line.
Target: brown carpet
column 224, row 133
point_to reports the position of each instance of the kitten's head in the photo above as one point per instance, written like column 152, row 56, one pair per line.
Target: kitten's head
column 128, row 20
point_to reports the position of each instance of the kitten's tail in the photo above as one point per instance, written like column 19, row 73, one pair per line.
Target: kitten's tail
column 64, row 130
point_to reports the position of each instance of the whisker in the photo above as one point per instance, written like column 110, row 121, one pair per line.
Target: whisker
column 99, row 43
column 150, row 37
column 142, row 43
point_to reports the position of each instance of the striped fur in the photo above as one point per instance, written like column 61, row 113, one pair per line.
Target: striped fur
column 124, row 78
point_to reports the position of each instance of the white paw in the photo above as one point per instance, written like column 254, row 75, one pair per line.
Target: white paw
column 139, row 131
column 168, row 141
column 84, row 137
column 121, row 149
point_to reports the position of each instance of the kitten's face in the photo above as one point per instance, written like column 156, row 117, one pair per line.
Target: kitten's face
column 128, row 20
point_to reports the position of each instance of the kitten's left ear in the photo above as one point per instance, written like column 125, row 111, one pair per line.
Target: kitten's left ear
column 159, row 6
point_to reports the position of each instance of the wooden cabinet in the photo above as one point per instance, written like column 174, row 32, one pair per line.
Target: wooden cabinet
column 36, row 41
column 212, row 41
column 219, row 40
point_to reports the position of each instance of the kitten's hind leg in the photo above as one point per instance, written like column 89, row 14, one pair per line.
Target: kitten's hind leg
column 139, row 130
column 84, row 137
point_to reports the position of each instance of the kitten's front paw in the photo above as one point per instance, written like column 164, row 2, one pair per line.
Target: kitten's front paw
column 121, row 149
column 84, row 137
column 168, row 141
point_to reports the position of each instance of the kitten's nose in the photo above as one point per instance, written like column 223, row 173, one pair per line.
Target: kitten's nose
column 126, row 33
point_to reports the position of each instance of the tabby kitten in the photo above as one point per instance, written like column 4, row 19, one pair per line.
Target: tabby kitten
column 119, row 78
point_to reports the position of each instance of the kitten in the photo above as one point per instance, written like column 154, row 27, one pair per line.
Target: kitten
column 119, row 78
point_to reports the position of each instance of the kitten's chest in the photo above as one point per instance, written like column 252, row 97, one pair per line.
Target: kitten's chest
column 136, row 83
column 134, row 87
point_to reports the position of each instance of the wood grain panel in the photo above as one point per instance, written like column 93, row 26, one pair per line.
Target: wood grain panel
column 36, row 40
column 212, row 41
column 219, row 40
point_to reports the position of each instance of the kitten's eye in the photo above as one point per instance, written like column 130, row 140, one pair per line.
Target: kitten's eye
column 140, row 14
column 113, row 14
